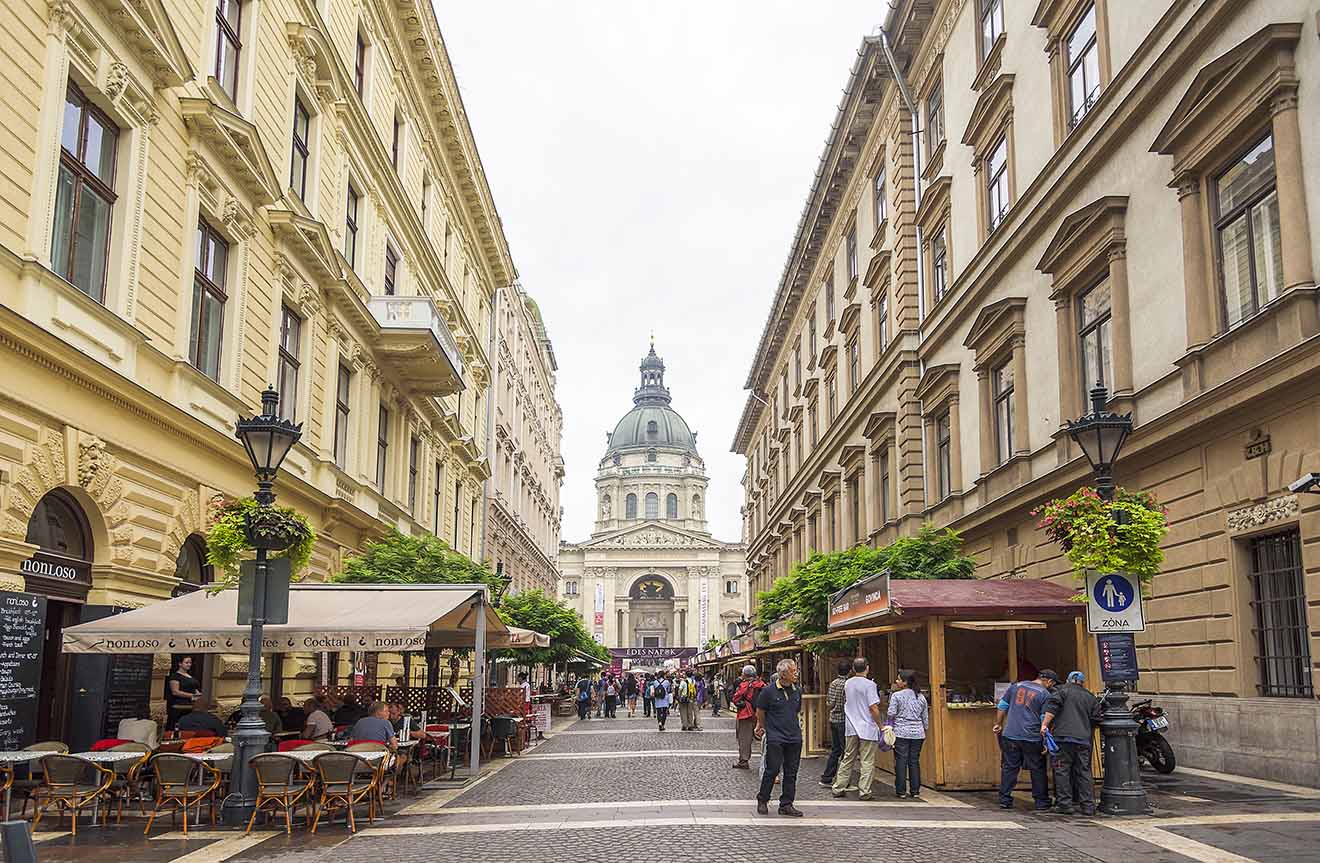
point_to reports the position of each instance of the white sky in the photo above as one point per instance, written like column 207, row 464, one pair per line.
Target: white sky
column 650, row 162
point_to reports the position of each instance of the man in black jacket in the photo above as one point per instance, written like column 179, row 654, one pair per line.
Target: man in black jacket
column 1070, row 714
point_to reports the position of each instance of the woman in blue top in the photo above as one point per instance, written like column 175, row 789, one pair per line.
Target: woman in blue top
column 909, row 716
column 661, row 691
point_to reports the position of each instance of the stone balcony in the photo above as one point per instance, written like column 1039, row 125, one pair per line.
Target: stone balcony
column 416, row 341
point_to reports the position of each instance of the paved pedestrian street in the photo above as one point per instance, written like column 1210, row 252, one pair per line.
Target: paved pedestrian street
column 609, row 790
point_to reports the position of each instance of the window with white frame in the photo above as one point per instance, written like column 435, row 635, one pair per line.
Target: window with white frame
column 652, row 505
column 414, row 451
column 1001, row 391
column 1247, row 233
column 382, row 447
column 882, row 321
column 943, row 456
column 437, row 498
column 939, row 265
column 854, row 364
column 731, row 586
column 1083, row 56
column 850, row 252
column 300, row 148
column 878, row 191
column 671, row 506
column 228, row 45
column 360, row 65
column 570, row 588
column 288, row 362
column 992, row 24
column 84, row 195
column 351, row 225
column 935, row 119
column 208, row 303
column 996, row 178
column 392, row 272
column 884, row 486
column 343, row 388
column 1093, row 333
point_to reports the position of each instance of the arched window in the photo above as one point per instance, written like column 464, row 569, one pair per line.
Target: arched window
column 652, row 429
column 630, row 505
column 57, row 526
column 191, row 568
column 605, row 511
column 696, row 506
column 652, row 505
column 650, row 455
column 732, row 631
column 671, row 506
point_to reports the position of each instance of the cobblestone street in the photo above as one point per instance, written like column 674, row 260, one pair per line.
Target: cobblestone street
column 602, row 790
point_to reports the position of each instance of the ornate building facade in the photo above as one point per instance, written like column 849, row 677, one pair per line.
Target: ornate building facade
column 1086, row 192
column 204, row 198
column 651, row 575
column 528, row 471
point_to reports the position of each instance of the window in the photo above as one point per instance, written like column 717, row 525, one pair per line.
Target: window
column 426, row 199
column 1283, row 654
column 458, row 502
column 84, row 195
column 943, row 456
column 854, row 361
column 302, row 122
column 652, row 429
column 797, row 445
column 992, row 24
column 650, row 455
column 436, row 498
column 811, row 421
column 228, row 24
column 382, row 448
column 878, row 187
column 288, row 364
column 1083, row 55
column 570, row 588
column 855, row 507
column 850, row 251
column 391, row 273
column 934, row 119
column 939, row 265
column 797, row 365
column 630, row 506
column 884, row 487
column 811, row 334
column 783, row 388
column 652, row 505
column 1247, row 233
column 731, row 631
column 671, row 506
column 832, row 387
column 882, row 321
column 351, row 226
column 1093, row 333
column 996, row 177
column 342, row 385
column 414, row 447
column 1001, row 389
column 828, row 290
column 731, row 586
column 208, row 304
column 394, row 145
column 360, row 66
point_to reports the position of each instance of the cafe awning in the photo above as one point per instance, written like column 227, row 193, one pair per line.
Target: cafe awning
column 322, row 617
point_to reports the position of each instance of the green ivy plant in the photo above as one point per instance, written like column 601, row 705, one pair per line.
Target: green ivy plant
column 1119, row 536
column 234, row 522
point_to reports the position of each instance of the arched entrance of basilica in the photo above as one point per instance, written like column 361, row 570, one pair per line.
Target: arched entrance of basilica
column 651, row 612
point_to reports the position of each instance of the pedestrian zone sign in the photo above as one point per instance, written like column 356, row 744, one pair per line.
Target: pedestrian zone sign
column 1113, row 603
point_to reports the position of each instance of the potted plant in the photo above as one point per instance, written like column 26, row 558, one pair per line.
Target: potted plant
column 238, row 527
column 1122, row 535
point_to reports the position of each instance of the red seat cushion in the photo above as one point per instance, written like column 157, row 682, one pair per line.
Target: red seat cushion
column 286, row 745
column 109, row 743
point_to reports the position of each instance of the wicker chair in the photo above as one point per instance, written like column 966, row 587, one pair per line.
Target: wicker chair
column 128, row 781
column 182, row 782
column 280, row 787
column 381, row 767
column 342, row 776
column 70, row 783
column 27, row 785
column 315, row 747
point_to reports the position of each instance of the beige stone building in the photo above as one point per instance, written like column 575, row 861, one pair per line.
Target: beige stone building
column 199, row 199
column 523, row 502
column 1088, row 191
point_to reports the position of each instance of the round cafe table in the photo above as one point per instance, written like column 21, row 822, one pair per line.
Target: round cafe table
column 8, row 759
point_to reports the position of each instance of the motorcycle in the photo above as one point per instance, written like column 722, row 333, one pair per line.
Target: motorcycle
column 1151, row 745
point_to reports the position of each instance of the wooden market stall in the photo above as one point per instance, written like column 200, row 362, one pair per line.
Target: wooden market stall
column 966, row 640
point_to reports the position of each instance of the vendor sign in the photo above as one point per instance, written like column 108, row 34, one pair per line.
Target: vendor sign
column 866, row 599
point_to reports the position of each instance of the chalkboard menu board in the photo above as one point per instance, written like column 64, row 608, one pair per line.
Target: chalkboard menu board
column 22, row 632
column 128, row 690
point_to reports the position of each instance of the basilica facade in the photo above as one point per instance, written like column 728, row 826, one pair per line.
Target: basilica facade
column 652, row 575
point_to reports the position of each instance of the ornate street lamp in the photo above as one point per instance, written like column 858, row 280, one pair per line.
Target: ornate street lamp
column 1101, row 436
column 267, row 439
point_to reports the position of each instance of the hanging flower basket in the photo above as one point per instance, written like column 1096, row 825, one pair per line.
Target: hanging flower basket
column 1119, row 536
column 239, row 527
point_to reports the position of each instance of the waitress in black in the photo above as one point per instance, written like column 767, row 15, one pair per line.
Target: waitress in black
column 181, row 690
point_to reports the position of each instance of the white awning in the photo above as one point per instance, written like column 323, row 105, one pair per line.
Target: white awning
column 322, row 617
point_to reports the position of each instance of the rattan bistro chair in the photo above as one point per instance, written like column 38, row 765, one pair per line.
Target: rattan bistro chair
column 128, row 781
column 71, row 783
column 281, row 787
column 182, row 782
column 345, row 781
column 28, row 784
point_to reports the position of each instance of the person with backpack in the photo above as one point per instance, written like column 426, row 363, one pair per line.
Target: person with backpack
column 715, row 692
column 584, row 698
column 647, row 683
column 686, row 694
column 743, row 701
column 630, row 693
column 611, row 697
column 661, row 691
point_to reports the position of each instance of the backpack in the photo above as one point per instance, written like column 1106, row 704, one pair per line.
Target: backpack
column 658, row 691
column 684, row 691
column 584, row 690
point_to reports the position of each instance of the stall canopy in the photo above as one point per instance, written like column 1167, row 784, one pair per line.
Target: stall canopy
column 368, row 617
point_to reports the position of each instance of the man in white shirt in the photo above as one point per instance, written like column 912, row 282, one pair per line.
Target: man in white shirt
column 526, row 687
column 862, row 720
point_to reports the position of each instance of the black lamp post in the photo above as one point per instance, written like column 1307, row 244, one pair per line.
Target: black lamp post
column 267, row 439
column 1101, row 436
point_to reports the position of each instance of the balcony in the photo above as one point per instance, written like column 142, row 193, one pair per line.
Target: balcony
column 416, row 341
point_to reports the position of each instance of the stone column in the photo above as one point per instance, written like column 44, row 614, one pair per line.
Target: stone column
column 1293, row 223
column 955, row 447
column 1021, row 442
column 846, row 538
column 1196, row 294
column 1120, row 322
column 872, row 495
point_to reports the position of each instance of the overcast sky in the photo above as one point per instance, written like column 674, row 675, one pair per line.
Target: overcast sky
column 650, row 161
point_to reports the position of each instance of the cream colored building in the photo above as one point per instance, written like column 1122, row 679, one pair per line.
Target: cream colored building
column 523, row 503
column 1122, row 192
column 652, row 575
column 201, row 198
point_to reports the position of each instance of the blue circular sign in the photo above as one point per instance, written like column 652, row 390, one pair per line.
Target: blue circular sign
column 1113, row 593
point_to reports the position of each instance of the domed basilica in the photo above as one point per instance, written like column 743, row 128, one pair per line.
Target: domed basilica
column 652, row 580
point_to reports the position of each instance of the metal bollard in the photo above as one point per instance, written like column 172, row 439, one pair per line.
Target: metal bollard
column 17, row 842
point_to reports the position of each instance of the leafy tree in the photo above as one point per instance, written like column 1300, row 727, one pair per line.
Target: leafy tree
column 398, row 558
column 711, row 644
column 532, row 609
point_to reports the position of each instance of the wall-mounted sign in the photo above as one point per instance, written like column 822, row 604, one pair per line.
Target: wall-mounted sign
column 866, row 599
column 62, row 577
column 22, row 631
column 779, row 632
column 653, row 656
column 1118, row 657
column 1258, row 447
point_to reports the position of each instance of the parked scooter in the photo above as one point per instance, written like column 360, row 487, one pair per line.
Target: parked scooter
column 1151, row 745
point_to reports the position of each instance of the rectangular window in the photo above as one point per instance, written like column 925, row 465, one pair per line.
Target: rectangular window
column 343, row 383
column 1001, row 390
column 391, row 269
column 815, row 426
column 1093, row 334
column 811, row 334
column 228, row 24
column 394, row 145
column 288, row 362
column 882, row 321
column 1247, row 233
column 996, row 178
column 426, row 199
column 832, row 387
column 570, row 588
column 208, row 304
column 992, row 24
column 731, row 587
column 437, row 498
column 84, row 195
column 854, row 363
column 797, row 365
column 850, row 251
column 828, row 290
column 458, row 503
column 884, row 487
column 382, row 448
column 797, row 444
column 935, row 119
column 302, row 123
column 1083, row 57
column 943, row 456
column 881, row 207
column 351, row 226
column 414, row 448
column 783, row 387
column 939, row 265
column 360, row 66
column 1283, row 653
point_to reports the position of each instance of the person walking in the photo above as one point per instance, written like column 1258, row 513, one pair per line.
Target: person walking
column 743, row 703
column 598, row 696
column 1070, row 714
column 611, row 697
column 647, row 683
column 834, row 700
column 661, row 696
column 686, row 693
column 630, row 693
column 715, row 691
column 584, row 698
column 777, row 709
column 861, row 731
column 1018, row 725
column 909, row 717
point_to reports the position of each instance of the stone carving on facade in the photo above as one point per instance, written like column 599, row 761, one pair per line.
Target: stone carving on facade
column 44, row 470
column 187, row 521
column 654, row 537
column 1249, row 517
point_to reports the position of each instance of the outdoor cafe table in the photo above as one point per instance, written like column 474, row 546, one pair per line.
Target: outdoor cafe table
column 8, row 759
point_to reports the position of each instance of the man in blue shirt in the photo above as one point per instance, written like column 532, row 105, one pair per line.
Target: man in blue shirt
column 1018, row 727
column 661, row 691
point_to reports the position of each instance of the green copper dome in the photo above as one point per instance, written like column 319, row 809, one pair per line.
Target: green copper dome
column 652, row 422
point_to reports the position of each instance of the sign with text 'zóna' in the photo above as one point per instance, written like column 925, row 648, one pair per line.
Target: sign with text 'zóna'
column 1113, row 603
